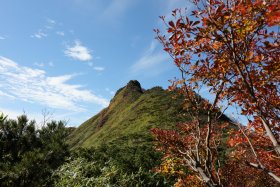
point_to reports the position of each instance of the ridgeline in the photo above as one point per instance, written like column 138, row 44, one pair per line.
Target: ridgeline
column 128, row 119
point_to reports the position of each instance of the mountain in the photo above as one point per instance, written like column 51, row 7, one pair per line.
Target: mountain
column 128, row 119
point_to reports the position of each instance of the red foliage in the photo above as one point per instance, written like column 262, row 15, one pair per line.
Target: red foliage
column 232, row 47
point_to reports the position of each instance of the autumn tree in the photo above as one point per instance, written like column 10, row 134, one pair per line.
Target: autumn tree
column 232, row 48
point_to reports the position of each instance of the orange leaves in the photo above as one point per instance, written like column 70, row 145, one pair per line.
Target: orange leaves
column 186, row 146
column 251, row 53
column 216, row 45
column 236, row 140
column 229, row 43
column 258, row 58
column 273, row 14
column 204, row 21
column 231, row 142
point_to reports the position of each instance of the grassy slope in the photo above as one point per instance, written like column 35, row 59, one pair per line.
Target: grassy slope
column 129, row 117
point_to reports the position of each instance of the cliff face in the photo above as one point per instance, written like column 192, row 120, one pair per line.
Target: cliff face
column 129, row 117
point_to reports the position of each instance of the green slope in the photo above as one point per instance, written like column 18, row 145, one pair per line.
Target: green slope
column 129, row 117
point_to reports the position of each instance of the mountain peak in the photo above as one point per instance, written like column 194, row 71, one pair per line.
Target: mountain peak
column 134, row 85
column 128, row 93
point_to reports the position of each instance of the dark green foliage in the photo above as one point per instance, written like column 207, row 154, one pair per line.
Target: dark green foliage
column 29, row 155
column 111, row 165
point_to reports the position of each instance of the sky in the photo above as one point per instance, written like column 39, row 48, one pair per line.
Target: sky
column 69, row 57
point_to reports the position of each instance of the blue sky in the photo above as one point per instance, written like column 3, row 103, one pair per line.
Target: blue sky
column 70, row 56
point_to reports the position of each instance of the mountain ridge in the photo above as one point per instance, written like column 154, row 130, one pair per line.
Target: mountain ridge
column 131, row 114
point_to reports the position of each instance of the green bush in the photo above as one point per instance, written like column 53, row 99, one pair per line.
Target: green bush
column 28, row 156
column 111, row 165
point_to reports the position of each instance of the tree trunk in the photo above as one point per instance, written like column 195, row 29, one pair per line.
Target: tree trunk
column 271, row 137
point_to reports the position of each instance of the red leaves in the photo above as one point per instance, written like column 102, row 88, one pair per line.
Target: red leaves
column 171, row 23
column 273, row 14
column 204, row 21
column 231, row 142
column 236, row 140
column 273, row 18
column 230, row 43
column 182, row 146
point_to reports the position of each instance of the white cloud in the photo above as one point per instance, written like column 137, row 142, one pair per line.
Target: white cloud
column 51, row 21
column 151, row 60
column 60, row 33
column 99, row 68
column 50, row 24
column 78, row 52
column 2, row 37
column 40, row 34
column 33, row 85
column 2, row 94
column 39, row 64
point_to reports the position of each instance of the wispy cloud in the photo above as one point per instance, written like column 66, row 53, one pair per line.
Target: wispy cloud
column 2, row 94
column 50, row 23
column 2, row 37
column 97, row 68
column 33, row 85
column 151, row 61
column 60, row 33
column 39, row 64
column 44, row 31
column 39, row 34
column 78, row 52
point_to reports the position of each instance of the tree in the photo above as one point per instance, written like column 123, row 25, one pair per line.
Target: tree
column 29, row 155
column 232, row 47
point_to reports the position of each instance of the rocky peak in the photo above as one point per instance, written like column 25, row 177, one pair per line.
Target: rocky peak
column 134, row 85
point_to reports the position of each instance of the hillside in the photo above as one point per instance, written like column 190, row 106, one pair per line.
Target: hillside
column 129, row 117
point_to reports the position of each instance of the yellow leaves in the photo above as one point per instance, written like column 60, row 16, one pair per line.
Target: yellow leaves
column 168, row 166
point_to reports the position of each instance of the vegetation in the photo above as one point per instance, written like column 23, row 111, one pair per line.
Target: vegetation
column 129, row 117
column 110, row 165
column 114, row 148
column 30, row 155
column 232, row 48
column 120, row 136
